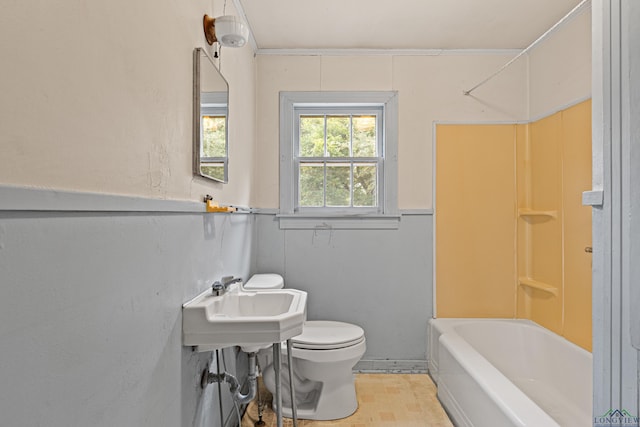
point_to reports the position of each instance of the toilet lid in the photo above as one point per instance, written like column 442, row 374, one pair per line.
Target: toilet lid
column 264, row 281
column 328, row 335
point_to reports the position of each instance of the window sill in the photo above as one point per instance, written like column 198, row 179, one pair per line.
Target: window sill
column 338, row 222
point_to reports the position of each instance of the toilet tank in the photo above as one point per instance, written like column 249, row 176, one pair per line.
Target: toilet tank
column 264, row 281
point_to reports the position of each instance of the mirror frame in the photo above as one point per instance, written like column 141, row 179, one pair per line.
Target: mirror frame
column 198, row 54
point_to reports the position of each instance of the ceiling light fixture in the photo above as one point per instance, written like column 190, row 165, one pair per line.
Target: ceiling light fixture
column 227, row 30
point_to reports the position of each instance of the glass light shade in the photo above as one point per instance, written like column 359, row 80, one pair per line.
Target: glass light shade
column 231, row 31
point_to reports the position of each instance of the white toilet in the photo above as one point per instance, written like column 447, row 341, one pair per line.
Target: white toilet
column 323, row 359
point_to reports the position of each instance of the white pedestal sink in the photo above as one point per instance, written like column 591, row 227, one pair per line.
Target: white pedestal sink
column 251, row 320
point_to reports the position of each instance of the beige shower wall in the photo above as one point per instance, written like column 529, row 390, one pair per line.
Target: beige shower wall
column 430, row 90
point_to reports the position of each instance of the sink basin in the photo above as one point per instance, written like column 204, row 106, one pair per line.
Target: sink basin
column 251, row 320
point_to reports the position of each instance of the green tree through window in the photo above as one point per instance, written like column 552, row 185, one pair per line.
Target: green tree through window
column 214, row 142
column 213, row 150
column 338, row 157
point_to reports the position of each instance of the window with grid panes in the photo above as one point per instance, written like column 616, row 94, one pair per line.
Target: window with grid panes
column 338, row 158
column 338, row 153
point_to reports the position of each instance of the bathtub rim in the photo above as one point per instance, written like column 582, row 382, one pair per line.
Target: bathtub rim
column 510, row 399
column 447, row 324
column 442, row 333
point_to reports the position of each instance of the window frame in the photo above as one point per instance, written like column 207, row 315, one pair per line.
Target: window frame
column 291, row 103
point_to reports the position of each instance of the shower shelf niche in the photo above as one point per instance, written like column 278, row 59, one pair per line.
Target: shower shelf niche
column 535, row 284
column 526, row 212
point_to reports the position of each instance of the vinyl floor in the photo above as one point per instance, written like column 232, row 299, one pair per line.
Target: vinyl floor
column 384, row 400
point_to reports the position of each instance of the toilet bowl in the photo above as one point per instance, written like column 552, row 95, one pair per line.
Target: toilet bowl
column 323, row 359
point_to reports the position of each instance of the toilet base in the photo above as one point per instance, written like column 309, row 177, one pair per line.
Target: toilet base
column 331, row 401
column 323, row 380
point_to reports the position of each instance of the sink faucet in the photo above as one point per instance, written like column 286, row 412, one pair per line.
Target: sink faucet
column 219, row 287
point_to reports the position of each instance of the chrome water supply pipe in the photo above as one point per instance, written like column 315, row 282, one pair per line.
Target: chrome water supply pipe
column 220, row 407
column 277, row 365
column 294, row 409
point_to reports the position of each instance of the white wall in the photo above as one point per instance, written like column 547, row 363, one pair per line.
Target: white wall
column 96, row 96
column 560, row 67
column 555, row 74
column 430, row 89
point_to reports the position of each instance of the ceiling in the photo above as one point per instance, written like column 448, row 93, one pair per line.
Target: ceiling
column 400, row 24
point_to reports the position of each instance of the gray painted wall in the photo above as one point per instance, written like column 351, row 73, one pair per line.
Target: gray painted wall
column 90, row 315
column 378, row 279
column 631, row 89
column 90, row 302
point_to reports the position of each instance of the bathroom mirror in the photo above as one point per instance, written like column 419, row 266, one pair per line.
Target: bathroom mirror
column 210, row 118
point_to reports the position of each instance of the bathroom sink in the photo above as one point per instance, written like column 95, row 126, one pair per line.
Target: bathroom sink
column 251, row 320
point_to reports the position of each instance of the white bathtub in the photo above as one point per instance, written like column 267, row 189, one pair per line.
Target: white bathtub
column 501, row 372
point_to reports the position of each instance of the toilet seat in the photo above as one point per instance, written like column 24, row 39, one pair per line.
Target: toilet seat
column 327, row 335
column 323, row 358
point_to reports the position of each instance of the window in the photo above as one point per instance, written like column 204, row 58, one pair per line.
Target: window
column 213, row 125
column 338, row 154
column 338, row 157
